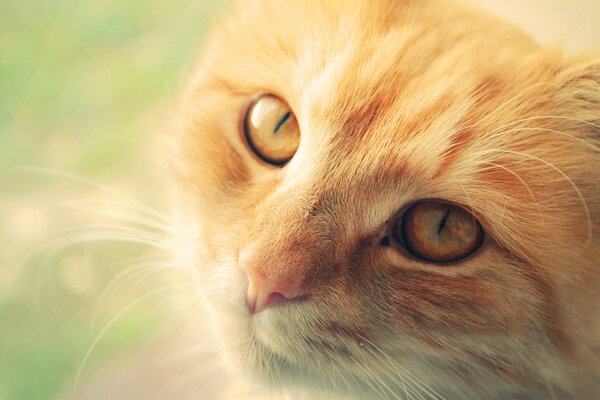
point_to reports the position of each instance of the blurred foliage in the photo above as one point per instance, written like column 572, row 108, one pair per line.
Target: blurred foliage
column 84, row 86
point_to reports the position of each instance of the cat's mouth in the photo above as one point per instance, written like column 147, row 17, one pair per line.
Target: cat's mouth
column 294, row 337
column 280, row 360
column 273, row 300
column 315, row 358
column 269, row 329
column 289, row 333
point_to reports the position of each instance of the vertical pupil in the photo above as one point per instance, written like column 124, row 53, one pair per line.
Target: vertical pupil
column 282, row 121
column 443, row 221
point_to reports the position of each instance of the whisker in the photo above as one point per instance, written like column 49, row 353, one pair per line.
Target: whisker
column 510, row 101
column 76, row 178
column 540, row 130
column 103, row 209
column 472, row 209
column 139, row 273
column 565, row 176
column 371, row 381
column 523, row 182
column 131, row 267
column 544, row 117
column 396, row 366
column 115, row 319
column 396, row 395
column 104, row 233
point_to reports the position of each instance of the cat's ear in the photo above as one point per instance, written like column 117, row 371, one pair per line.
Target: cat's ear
column 579, row 91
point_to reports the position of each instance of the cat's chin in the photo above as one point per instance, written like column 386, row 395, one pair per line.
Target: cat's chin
column 261, row 364
column 254, row 349
column 265, row 367
column 257, row 350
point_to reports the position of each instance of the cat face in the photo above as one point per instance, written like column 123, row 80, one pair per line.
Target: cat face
column 392, row 197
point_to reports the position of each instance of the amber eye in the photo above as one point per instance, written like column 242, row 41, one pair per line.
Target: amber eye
column 271, row 130
column 438, row 232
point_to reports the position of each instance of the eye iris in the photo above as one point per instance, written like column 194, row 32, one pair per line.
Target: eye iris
column 271, row 130
column 438, row 232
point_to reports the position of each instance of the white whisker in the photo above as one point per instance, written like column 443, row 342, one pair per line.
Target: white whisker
column 132, row 266
column 115, row 319
column 371, row 381
column 112, row 211
column 510, row 101
column 104, row 233
column 130, row 280
column 67, row 175
column 396, row 366
column 540, row 130
column 565, row 176
column 523, row 182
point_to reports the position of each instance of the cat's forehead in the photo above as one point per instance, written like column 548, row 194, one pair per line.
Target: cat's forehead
column 368, row 71
column 378, row 87
column 372, row 93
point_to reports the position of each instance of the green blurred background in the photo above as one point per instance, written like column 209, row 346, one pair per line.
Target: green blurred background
column 85, row 88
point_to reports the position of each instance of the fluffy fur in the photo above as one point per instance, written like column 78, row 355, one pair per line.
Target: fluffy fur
column 396, row 101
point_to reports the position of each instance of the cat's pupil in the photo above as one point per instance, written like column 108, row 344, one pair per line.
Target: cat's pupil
column 271, row 130
column 282, row 121
column 443, row 221
column 438, row 232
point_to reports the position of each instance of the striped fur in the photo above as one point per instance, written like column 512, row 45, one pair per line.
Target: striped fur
column 397, row 101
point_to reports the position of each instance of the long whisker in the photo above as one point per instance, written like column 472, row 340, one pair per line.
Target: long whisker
column 396, row 395
column 108, row 209
column 396, row 366
column 540, row 130
column 565, row 176
column 127, row 267
column 371, row 381
column 544, row 117
column 523, row 182
column 392, row 377
column 115, row 319
column 104, row 232
column 86, row 234
column 62, row 174
column 513, row 99
column 398, row 374
column 131, row 278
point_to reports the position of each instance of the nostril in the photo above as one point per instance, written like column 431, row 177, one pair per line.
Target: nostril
column 267, row 288
column 260, row 301
column 274, row 299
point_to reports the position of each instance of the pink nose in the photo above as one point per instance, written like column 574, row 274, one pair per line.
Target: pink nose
column 266, row 291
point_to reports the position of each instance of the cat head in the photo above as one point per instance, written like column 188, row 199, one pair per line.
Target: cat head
column 392, row 196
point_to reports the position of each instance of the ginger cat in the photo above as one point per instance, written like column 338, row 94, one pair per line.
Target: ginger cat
column 392, row 200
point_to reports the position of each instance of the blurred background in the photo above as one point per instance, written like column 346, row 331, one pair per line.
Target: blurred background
column 85, row 88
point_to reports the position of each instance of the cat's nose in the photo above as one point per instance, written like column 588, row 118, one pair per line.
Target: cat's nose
column 267, row 291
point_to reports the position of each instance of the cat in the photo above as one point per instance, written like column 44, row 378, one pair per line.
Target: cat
column 391, row 200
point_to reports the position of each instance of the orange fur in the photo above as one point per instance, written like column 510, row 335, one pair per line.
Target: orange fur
column 398, row 101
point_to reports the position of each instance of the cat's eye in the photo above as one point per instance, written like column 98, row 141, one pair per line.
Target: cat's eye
column 438, row 232
column 271, row 130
